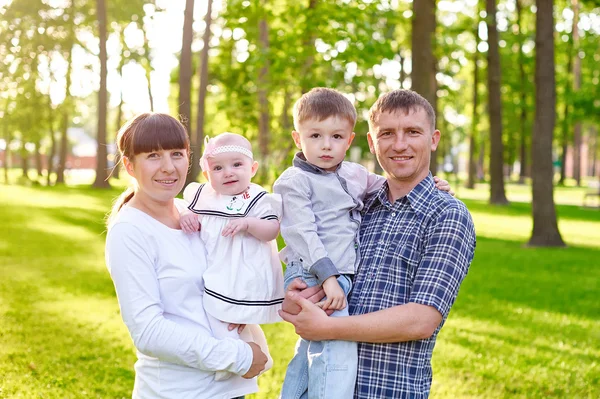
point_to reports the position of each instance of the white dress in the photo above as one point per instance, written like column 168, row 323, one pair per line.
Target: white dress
column 244, row 280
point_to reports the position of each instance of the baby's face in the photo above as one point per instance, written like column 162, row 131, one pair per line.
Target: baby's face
column 229, row 173
column 324, row 143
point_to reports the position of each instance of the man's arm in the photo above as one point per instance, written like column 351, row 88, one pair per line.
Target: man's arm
column 449, row 248
column 397, row 324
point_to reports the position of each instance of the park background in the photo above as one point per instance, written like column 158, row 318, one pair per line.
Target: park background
column 515, row 84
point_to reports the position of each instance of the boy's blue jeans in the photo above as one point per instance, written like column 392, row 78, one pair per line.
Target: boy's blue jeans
column 320, row 369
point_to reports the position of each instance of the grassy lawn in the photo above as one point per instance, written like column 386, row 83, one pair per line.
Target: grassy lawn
column 526, row 323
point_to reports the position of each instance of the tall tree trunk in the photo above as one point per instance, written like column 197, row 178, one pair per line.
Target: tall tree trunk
column 24, row 160
column 594, row 150
column 472, row 140
column 116, row 170
column 523, row 81
column 185, row 68
column 148, row 68
column 52, row 151
column 101, row 166
column 202, row 92
column 402, row 69
column 262, row 83
column 497, row 193
column 576, row 86
column 38, row 160
column 66, row 111
column 545, row 227
column 423, row 61
column 306, row 77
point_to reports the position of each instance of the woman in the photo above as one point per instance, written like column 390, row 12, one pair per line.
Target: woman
column 157, row 271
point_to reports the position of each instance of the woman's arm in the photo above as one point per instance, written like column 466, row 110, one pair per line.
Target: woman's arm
column 130, row 257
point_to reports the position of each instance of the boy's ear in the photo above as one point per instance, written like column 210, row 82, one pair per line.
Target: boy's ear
column 296, row 137
column 351, row 139
column 254, row 168
column 128, row 166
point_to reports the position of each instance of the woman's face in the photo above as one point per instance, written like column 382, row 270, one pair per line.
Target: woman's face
column 160, row 174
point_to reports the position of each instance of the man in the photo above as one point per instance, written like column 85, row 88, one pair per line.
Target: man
column 416, row 245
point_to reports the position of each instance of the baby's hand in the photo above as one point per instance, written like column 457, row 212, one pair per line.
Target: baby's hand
column 336, row 299
column 189, row 222
column 235, row 226
column 443, row 185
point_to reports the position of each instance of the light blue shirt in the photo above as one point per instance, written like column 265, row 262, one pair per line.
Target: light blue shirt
column 321, row 215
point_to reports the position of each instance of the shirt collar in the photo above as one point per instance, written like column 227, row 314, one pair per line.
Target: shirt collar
column 418, row 198
column 301, row 162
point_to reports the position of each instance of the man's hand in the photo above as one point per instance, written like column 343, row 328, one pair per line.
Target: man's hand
column 259, row 359
column 336, row 299
column 298, row 287
column 443, row 185
column 189, row 222
column 312, row 322
column 235, row 226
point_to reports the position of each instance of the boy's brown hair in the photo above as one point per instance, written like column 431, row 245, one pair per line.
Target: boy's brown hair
column 321, row 103
column 401, row 100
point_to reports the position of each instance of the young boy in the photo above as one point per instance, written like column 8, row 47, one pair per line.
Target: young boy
column 323, row 197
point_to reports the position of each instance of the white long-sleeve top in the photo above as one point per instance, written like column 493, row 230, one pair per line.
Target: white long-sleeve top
column 157, row 273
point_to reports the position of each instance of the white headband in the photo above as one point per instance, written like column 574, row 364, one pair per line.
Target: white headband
column 221, row 149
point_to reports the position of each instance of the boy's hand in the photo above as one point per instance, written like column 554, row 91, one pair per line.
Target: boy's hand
column 443, row 185
column 235, row 226
column 336, row 299
column 189, row 222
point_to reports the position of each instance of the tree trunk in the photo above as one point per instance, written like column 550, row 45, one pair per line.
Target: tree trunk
column 38, row 160
column 185, row 68
column 101, row 169
column 24, row 160
column 306, row 77
column 576, row 86
column 263, row 92
column 202, row 92
column 64, row 139
column 545, row 226
column 402, row 69
column 119, row 119
column 497, row 193
column 523, row 102
column 472, row 141
column 594, row 150
column 148, row 68
column 423, row 61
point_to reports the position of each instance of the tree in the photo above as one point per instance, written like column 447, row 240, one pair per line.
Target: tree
column 545, row 227
column 185, row 68
column 101, row 167
column 497, row 193
column 523, row 98
column 423, row 60
column 202, row 91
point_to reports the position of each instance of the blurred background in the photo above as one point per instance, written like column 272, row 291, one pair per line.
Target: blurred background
column 516, row 88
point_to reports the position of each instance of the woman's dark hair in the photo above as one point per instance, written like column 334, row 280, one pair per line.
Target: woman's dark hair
column 146, row 133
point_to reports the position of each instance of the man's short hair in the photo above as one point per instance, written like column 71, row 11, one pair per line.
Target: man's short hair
column 401, row 100
column 321, row 103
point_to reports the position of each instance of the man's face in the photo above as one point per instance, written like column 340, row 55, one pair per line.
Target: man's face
column 403, row 143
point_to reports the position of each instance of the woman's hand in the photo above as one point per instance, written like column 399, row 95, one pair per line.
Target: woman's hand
column 189, row 222
column 443, row 185
column 259, row 360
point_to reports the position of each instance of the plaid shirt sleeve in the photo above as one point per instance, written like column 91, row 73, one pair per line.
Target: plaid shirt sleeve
column 448, row 251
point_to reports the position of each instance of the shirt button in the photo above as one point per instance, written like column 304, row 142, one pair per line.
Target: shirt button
column 381, row 242
column 393, row 213
column 355, row 246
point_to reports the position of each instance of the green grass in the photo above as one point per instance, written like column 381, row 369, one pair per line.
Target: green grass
column 526, row 323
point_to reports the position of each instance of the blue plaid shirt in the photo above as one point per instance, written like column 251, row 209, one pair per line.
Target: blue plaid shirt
column 417, row 249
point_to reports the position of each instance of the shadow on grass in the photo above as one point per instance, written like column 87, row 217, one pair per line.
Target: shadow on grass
column 570, row 212
column 54, row 248
column 50, row 355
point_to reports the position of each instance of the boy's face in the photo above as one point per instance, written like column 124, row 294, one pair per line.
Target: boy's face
column 229, row 173
column 324, row 143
